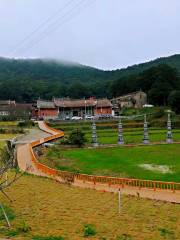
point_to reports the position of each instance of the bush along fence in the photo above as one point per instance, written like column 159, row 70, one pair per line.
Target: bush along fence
column 73, row 178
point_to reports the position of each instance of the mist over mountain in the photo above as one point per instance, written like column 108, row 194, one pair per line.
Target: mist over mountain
column 28, row 79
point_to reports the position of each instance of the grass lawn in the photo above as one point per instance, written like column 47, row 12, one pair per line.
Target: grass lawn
column 42, row 207
column 132, row 136
column 108, row 132
column 158, row 162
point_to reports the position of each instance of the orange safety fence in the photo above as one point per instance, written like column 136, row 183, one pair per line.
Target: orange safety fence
column 52, row 129
column 129, row 182
column 111, row 181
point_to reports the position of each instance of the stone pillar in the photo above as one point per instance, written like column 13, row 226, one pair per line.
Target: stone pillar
column 94, row 135
column 146, row 136
column 120, row 133
column 169, row 138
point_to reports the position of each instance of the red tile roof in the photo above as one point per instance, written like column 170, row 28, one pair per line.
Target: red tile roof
column 67, row 103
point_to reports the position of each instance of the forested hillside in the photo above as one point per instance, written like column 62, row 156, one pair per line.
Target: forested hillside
column 173, row 61
column 26, row 80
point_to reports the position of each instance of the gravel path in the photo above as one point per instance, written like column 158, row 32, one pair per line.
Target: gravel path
column 33, row 135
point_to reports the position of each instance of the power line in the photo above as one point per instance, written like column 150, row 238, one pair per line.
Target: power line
column 23, row 41
column 55, row 25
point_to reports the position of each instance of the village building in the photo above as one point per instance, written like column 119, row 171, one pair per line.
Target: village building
column 11, row 110
column 103, row 107
column 6, row 107
column 45, row 109
column 66, row 108
column 131, row 100
column 74, row 107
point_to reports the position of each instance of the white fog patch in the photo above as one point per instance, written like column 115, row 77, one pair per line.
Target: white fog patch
column 156, row 168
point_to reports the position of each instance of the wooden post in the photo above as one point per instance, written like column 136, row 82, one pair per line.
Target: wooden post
column 6, row 176
column 119, row 200
column 6, row 217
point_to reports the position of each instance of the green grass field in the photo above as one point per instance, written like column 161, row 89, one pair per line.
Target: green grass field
column 107, row 132
column 157, row 162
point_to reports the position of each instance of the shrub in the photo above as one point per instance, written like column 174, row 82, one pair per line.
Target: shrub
column 159, row 113
column 5, row 156
column 2, row 130
column 124, row 237
column 27, row 123
column 89, row 230
column 11, row 131
column 174, row 101
column 12, row 233
column 77, row 137
column 24, row 227
column 47, row 238
column 64, row 140
column 165, row 232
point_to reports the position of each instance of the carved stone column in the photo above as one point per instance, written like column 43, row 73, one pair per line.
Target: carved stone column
column 169, row 138
column 94, row 135
column 120, row 133
column 146, row 136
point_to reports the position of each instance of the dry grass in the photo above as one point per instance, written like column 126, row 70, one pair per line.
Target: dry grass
column 7, row 136
column 51, row 208
column 8, row 123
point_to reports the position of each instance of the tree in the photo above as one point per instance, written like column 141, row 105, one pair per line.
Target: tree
column 79, row 90
column 77, row 137
column 6, row 164
column 157, row 82
column 174, row 101
column 163, row 80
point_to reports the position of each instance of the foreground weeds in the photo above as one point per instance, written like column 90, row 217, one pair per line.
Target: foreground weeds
column 46, row 210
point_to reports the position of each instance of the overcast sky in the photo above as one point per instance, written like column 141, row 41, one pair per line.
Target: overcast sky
column 107, row 34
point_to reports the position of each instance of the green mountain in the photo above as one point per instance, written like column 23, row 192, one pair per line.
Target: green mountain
column 173, row 61
column 26, row 80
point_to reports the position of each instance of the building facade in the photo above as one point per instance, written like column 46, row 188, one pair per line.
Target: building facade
column 66, row 108
column 45, row 110
column 12, row 110
column 131, row 100
column 103, row 107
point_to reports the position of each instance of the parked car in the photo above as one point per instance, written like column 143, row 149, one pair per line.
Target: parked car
column 89, row 117
column 76, row 118
column 67, row 118
column 103, row 116
column 148, row 106
column 116, row 117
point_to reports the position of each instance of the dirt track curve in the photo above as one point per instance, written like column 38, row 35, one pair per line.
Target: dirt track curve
column 26, row 163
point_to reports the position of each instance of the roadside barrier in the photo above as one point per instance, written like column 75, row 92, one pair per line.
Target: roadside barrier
column 70, row 177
